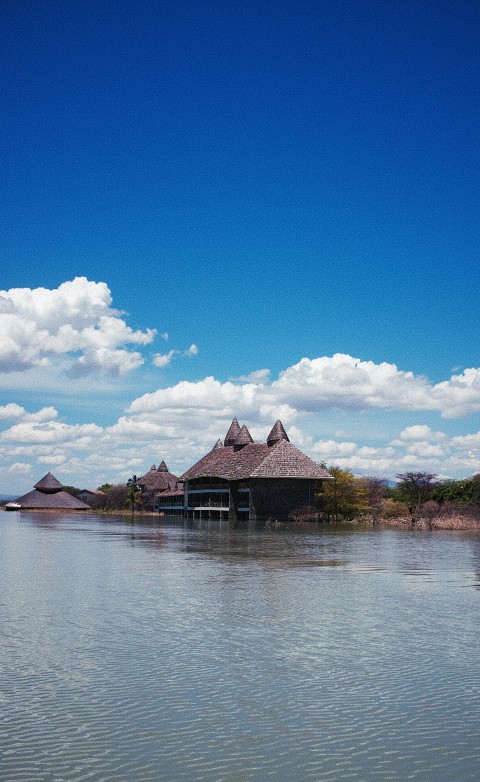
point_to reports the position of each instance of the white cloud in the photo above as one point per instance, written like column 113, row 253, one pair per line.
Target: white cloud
column 259, row 377
column 342, row 435
column 419, row 434
column 344, row 382
column 38, row 325
column 53, row 459
column 181, row 422
column 11, row 410
column 160, row 360
column 339, row 382
column 460, row 395
column 444, row 456
column 331, row 449
column 48, row 432
column 22, row 467
column 180, row 425
column 207, row 397
column 426, row 450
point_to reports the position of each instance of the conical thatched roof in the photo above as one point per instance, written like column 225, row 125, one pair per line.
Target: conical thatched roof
column 257, row 460
column 218, row 444
column 48, row 494
column 277, row 433
column 149, row 476
column 48, row 484
column 233, row 432
column 157, row 479
column 243, row 437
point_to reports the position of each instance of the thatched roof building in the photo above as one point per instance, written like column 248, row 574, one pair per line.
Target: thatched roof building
column 247, row 480
column 242, row 458
column 48, row 494
column 158, row 479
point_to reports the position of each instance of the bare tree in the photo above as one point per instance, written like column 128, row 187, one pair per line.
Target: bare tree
column 375, row 491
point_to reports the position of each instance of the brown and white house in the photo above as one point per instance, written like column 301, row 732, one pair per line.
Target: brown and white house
column 243, row 480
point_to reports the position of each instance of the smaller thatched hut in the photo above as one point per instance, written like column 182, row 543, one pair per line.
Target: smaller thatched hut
column 157, row 480
column 48, row 494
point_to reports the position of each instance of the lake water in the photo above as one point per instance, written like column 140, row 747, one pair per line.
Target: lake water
column 228, row 654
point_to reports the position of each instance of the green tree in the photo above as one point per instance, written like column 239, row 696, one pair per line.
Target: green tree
column 105, row 487
column 463, row 491
column 72, row 490
column 133, row 496
column 346, row 497
column 475, row 498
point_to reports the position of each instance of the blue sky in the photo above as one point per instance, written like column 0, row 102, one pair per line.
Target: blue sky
column 213, row 190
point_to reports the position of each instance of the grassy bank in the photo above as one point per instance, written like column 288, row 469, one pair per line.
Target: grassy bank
column 452, row 522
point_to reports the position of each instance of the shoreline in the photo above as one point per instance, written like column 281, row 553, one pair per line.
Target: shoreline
column 442, row 524
column 439, row 523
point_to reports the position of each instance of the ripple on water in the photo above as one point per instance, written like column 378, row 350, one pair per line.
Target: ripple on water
column 334, row 660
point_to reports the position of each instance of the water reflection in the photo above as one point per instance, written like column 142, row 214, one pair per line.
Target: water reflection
column 474, row 543
column 220, row 652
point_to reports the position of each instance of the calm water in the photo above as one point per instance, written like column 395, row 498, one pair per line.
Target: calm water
column 208, row 652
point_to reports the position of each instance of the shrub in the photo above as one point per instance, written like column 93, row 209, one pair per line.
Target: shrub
column 430, row 509
column 305, row 513
column 392, row 509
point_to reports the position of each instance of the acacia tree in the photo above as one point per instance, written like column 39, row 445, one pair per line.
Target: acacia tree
column 415, row 486
column 375, row 492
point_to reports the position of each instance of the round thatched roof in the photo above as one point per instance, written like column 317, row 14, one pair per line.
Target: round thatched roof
column 48, row 484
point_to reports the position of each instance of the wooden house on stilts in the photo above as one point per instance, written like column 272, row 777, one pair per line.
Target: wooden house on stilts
column 243, row 480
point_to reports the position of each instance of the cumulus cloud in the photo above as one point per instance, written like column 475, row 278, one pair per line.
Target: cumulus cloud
column 48, row 432
column 22, row 467
column 52, row 459
column 310, row 387
column 77, row 318
column 204, row 396
column 181, row 422
column 420, row 434
column 344, row 382
column 161, row 426
column 162, row 360
column 338, row 382
column 11, row 410
column 460, row 395
column 259, row 377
